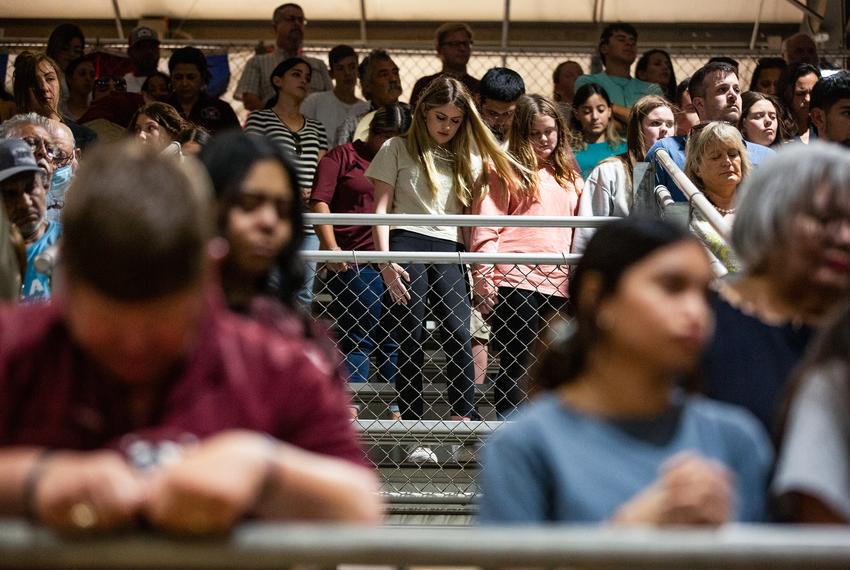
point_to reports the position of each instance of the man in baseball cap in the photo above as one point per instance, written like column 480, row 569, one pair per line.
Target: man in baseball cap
column 23, row 186
column 143, row 50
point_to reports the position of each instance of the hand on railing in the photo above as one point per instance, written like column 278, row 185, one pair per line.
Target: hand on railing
column 691, row 490
column 395, row 277
column 484, row 294
column 337, row 266
column 86, row 491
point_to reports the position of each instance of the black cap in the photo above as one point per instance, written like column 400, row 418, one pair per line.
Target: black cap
column 15, row 157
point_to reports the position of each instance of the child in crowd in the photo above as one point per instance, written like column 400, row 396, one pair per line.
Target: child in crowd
column 591, row 120
column 522, row 298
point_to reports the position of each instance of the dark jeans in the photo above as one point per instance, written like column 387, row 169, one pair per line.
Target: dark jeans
column 444, row 287
column 358, row 307
column 517, row 322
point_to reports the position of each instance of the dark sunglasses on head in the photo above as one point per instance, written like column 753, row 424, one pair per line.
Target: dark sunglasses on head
column 296, row 141
column 102, row 83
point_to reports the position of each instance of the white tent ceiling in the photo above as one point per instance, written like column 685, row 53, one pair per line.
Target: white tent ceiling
column 637, row 11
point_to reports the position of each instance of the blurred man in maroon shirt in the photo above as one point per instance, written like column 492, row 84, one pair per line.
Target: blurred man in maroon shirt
column 154, row 401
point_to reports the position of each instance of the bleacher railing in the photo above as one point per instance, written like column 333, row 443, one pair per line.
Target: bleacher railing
column 259, row 545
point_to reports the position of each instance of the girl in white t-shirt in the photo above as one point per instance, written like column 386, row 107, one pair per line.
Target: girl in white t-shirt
column 436, row 168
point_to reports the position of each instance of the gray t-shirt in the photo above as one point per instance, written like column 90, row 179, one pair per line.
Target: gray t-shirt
column 815, row 454
column 555, row 464
column 394, row 166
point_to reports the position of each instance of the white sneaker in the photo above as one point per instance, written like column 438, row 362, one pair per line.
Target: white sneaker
column 420, row 454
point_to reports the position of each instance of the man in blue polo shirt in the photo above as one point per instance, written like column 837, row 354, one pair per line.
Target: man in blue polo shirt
column 23, row 185
column 716, row 96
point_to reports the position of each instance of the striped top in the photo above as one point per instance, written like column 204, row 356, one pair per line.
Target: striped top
column 301, row 146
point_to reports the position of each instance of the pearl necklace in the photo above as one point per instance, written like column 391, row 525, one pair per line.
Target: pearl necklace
column 725, row 211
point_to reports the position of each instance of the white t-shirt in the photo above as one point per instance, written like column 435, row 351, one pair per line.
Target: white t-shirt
column 413, row 195
column 815, row 457
column 326, row 108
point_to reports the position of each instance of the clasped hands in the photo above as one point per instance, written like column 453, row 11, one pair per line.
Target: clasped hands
column 211, row 487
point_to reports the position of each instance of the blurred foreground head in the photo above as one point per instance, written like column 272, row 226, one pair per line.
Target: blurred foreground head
column 639, row 294
column 134, row 258
column 136, row 223
column 792, row 224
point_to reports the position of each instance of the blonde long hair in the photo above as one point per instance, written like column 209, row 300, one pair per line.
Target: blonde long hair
column 472, row 135
column 560, row 162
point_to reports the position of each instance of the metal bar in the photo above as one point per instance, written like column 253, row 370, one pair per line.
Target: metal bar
column 457, row 220
column 756, row 26
column 696, row 197
column 118, row 27
column 805, row 9
column 262, row 545
column 442, row 258
column 506, row 18
column 363, row 22
column 427, row 427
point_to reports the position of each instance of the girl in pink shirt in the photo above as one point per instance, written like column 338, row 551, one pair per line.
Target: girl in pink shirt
column 519, row 297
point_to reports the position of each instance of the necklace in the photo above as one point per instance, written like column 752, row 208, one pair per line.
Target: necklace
column 724, row 211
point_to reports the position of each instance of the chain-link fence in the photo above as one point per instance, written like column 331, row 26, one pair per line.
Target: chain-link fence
column 419, row 366
column 535, row 65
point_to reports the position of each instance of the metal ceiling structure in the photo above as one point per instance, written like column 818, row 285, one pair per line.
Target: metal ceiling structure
column 589, row 11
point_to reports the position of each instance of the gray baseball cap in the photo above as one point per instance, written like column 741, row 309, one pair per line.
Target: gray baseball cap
column 15, row 157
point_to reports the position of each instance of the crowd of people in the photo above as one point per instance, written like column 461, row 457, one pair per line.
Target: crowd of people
column 165, row 326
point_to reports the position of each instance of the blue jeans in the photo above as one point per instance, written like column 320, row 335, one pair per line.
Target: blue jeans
column 359, row 310
column 305, row 295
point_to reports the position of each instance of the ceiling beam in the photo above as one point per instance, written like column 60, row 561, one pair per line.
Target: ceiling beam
column 805, row 9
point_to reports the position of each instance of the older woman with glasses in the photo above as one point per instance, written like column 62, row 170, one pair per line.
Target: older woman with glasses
column 303, row 139
column 792, row 235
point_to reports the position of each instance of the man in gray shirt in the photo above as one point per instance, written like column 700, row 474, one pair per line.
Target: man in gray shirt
column 255, row 87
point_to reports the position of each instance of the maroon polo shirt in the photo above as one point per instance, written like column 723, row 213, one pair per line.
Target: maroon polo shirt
column 340, row 183
column 239, row 375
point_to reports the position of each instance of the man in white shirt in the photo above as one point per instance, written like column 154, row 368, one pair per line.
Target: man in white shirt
column 332, row 108
column 255, row 87
column 143, row 50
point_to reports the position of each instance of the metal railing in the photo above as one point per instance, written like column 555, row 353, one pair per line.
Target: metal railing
column 261, row 545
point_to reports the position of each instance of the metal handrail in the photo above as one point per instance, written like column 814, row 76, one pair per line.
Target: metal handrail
column 262, row 545
column 457, row 220
column 445, row 430
column 441, row 258
column 694, row 194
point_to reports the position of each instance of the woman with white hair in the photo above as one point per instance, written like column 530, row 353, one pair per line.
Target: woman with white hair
column 792, row 235
column 716, row 161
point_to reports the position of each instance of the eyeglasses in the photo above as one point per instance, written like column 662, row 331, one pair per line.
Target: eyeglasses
column 61, row 159
column 41, row 147
column 103, row 83
column 824, row 224
column 248, row 202
column 456, row 44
